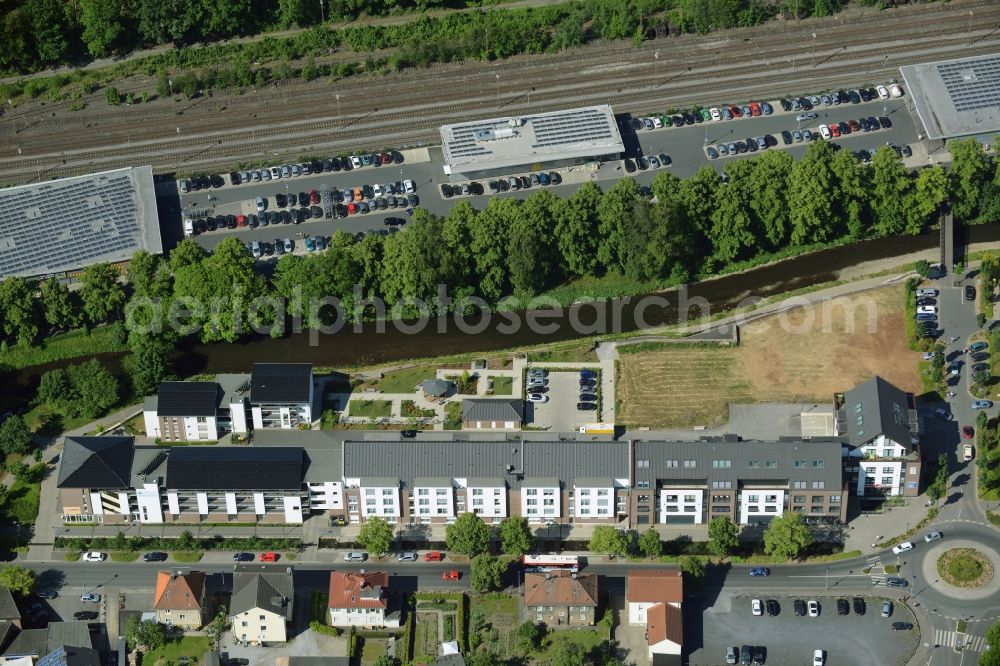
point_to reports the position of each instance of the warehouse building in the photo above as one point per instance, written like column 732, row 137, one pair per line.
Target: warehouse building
column 60, row 227
column 507, row 146
column 956, row 98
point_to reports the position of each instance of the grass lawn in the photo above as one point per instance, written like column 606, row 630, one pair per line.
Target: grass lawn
column 188, row 556
column 21, row 505
column 372, row 650
column 405, row 381
column 575, row 354
column 453, row 415
column 587, row 638
column 793, row 357
column 318, row 606
column 66, row 345
column 124, row 556
column 47, row 422
column 425, row 637
column 500, row 612
column 192, row 647
column 136, row 425
column 370, row 408
column 503, row 385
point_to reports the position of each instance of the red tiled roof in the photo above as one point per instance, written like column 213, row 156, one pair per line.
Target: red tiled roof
column 560, row 588
column 358, row 590
column 664, row 622
column 654, row 586
column 181, row 592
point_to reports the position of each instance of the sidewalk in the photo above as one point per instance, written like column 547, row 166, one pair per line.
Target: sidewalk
column 864, row 531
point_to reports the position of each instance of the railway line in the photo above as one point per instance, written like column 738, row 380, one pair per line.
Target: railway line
column 284, row 121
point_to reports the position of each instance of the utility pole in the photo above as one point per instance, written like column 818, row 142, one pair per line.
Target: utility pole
column 322, row 14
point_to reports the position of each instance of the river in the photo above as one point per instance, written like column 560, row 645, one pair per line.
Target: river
column 369, row 346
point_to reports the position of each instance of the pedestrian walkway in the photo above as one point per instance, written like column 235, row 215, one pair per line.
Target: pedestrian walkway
column 877, row 569
column 950, row 639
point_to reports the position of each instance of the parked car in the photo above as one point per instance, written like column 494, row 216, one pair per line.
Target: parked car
column 901, row 626
column 818, row 659
column 537, row 397
column 887, row 609
column 433, row 556
column 90, row 598
column 732, row 655
column 586, row 406
column 756, row 606
column 813, row 607
column 85, row 615
column 968, row 432
column 355, row 556
column 243, row 557
column 453, row 574
column 760, row 571
column 759, row 654
column 800, row 607
column 154, row 557
column 843, row 608
column 859, row 606
column 407, row 556
column 982, row 404
column 94, row 556
column 978, row 346
column 269, row 556
column 970, row 292
column 773, row 608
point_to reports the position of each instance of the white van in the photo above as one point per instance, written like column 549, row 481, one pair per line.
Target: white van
column 967, row 452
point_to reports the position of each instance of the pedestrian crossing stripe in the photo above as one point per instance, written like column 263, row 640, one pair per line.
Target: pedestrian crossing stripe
column 950, row 639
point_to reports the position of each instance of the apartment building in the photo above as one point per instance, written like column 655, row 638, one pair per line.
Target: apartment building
column 184, row 412
column 179, row 598
column 95, row 479
column 281, row 395
column 880, row 425
column 560, row 598
column 262, row 603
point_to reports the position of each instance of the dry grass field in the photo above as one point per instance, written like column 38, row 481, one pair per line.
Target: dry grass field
column 801, row 355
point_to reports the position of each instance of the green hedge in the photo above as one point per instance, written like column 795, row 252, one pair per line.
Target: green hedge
column 463, row 615
column 407, row 652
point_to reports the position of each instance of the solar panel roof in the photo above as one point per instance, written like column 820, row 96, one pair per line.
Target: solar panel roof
column 70, row 223
column 956, row 97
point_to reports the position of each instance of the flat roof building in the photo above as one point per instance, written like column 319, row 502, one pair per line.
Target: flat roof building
column 955, row 98
column 61, row 226
column 505, row 146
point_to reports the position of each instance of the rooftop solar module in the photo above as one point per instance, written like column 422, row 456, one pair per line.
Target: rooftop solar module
column 68, row 224
column 956, row 98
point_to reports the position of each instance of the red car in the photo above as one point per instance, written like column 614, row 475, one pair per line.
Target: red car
column 269, row 557
column 313, row 197
column 968, row 432
column 755, row 108
column 352, row 208
column 433, row 556
column 241, row 220
column 834, row 130
column 736, row 111
column 451, row 575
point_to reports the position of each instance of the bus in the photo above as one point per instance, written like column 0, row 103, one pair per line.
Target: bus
column 540, row 563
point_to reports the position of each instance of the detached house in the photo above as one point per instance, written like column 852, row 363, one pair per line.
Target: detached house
column 179, row 599
column 359, row 599
column 654, row 599
column 560, row 598
column 261, row 605
column 879, row 422
column 281, row 395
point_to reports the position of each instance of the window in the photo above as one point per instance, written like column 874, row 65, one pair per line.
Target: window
column 690, row 464
column 719, row 508
column 532, row 502
column 671, row 463
column 424, row 502
column 753, row 499
column 602, row 493
column 261, row 618
column 602, row 502
column 423, row 491
column 818, row 485
column 720, row 498
column 722, row 464
column 369, row 491
column 799, row 499
column 387, row 492
column 642, row 463
column 799, row 464
column 690, row 498
column 818, row 464
column 799, row 485
column 642, row 484
column 770, row 464
column 886, row 453
column 671, row 498
column 834, row 499
column 643, row 498
column 477, row 491
column 887, row 480
column 718, row 485
column 771, row 499
column 817, row 499
column 532, row 491
column 442, row 492
column 753, row 464
column 815, row 509
column 913, row 470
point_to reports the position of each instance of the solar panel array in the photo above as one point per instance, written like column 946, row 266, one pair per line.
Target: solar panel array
column 576, row 126
column 67, row 224
column 973, row 83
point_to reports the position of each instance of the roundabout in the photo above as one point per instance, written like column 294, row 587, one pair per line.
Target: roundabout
column 955, row 577
column 964, row 567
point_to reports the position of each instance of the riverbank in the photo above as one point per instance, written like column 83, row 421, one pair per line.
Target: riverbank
column 73, row 344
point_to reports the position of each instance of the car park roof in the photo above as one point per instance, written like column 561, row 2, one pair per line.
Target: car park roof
column 956, row 97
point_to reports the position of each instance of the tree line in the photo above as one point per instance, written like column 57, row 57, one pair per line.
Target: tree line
column 42, row 33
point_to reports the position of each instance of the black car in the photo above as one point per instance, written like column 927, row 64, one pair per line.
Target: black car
column 884, row 122
column 303, row 199
column 155, row 556
column 586, row 406
column 866, row 95
column 859, row 606
column 503, row 184
column 629, row 166
column 243, row 557
column 759, row 654
column 231, row 221
column 894, row 581
column 874, row 123
column 786, row 105
column 800, row 607
column 413, row 200
column 316, row 211
column 844, row 127
column 641, row 163
column 901, row 626
column 280, row 200
column 678, row 121
column 234, row 178
column 555, row 177
column 786, row 137
column 854, row 96
column 393, row 221
column 772, row 607
column 587, row 373
column 92, row 615
column 397, row 157
column 980, row 356
column 843, row 608
column 446, row 190
column 525, row 182
column 746, row 655
column 345, row 164
column 970, row 292
column 689, row 118
column 751, row 145
column 588, row 397
column 588, row 387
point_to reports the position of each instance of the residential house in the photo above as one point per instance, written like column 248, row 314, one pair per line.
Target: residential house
column 179, row 598
column 879, row 422
column 281, row 395
column 492, row 413
column 95, row 478
column 560, row 598
column 262, row 603
column 183, row 412
column 9, row 612
column 654, row 598
column 58, row 644
column 360, row 599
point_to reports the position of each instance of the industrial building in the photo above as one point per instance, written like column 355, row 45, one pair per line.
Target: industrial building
column 956, row 98
column 59, row 227
column 506, row 146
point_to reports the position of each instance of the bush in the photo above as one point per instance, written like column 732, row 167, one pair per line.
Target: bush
column 324, row 629
column 112, row 96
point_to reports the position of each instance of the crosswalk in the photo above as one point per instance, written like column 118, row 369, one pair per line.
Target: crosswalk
column 876, row 570
column 949, row 639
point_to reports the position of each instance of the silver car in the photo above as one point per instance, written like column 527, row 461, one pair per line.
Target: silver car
column 355, row 556
column 933, row 536
column 408, row 556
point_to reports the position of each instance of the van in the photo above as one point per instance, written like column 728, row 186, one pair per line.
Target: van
column 967, row 452
column 927, row 291
column 355, row 556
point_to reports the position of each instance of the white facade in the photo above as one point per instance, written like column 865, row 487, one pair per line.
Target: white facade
column 432, row 502
column 886, row 476
column 880, row 447
column 326, row 495
column 540, row 504
column 151, row 422
column 757, row 502
column 360, row 617
column 150, row 506
column 293, row 509
column 381, row 501
column 594, row 502
column 487, row 502
column 637, row 611
column 258, row 625
column 283, row 416
column 238, row 414
column 676, row 502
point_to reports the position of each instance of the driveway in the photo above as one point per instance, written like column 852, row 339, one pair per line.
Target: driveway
column 560, row 414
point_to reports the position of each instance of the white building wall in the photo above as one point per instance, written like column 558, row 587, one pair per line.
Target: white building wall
column 152, row 423
column 249, row 626
column 594, row 502
column 293, row 509
column 887, row 475
column 681, row 502
column 326, row 495
column 487, row 502
column 173, row 504
column 433, row 502
column 96, row 505
column 258, row 504
column 202, row 500
column 238, row 415
column 231, row 504
column 123, row 503
column 358, row 617
column 637, row 611
column 150, row 506
column 258, row 419
column 756, row 502
column 540, row 504
column 193, row 432
column 381, row 502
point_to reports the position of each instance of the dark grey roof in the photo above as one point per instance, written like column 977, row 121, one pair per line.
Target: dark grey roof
column 432, row 482
column 874, row 408
column 8, row 607
column 436, row 387
column 96, row 218
column 29, row 642
column 100, row 463
column 280, row 383
column 493, row 409
column 408, row 460
column 324, row 450
column 234, row 468
column 70, row 655
column 8, row 630
column 819, row 460
column 76, row 634
column 262, row 586
column 188, row 399
column 595, row 482
column 485, row 482
column 450, row 660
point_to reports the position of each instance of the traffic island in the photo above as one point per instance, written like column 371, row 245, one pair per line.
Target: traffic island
column 965, row 568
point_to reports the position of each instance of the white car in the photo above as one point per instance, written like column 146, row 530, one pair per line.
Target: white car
column 902, row 547
column 813, row 607
column 818, row 658
column 824, row 132
column 409, row 186
column 757, row 607
column 538, row 397
column 261, row 204
column 355, row 162
column 275, row 173
column 883, row 92
column 715, row 113
column 379, row 190
column 90, row 598
column 927, row 292
column 296, row 170
column 657, row 123
column 94, row 556
column 895, row 90
column 927, row 309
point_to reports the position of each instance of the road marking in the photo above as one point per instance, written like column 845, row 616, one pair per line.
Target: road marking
column 950, row 639
column 830, row 576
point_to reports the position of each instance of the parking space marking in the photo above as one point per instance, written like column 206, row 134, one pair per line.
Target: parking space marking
column 950, row 639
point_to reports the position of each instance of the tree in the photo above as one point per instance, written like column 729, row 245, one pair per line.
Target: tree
column 148, row 364
column 515, row 536
column 15, row 436
column 991, row 657
column 150, row 635
column 528, row 636
column 650, row 544
column 890, row 192
column 787, row 536
column 59, row 307
column 162, row 83
column 385, row 660
column 468, row 535
column 18, row 310
column 731, row 233
column 723, row 536
column 565, row 653
column 926, row 197
column 104, row 25
column 488, row 572
column 376, row 536
column 811, row 214
column 101, row 293
column 968, row 174
column 94, row 389
column 18, row 580
column 693, row 569
column 609, row 540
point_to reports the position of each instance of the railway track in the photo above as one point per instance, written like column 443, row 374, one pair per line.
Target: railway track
column 631, row 78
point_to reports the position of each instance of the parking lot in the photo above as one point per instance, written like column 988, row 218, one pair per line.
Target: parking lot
column 560, row 413
column 850, row 640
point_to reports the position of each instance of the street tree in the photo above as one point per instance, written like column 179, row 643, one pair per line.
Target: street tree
column 693, row 569
column 18, row 580
column 488, row 572
column 723, row 536
column 376, row 536
column 468, row 535
column 787, row 536
column 515, row 536
column 650, row 544
column 609, row 540
column 15, row 436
